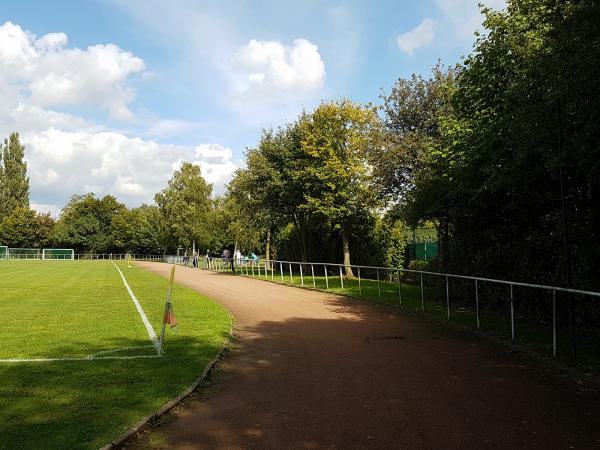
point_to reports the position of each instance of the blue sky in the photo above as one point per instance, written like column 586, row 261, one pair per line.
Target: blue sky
column 110, row 96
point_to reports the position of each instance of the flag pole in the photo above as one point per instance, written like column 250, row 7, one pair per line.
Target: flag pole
column 167, row 310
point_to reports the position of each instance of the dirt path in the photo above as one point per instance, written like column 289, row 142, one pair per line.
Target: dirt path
column 314, row 370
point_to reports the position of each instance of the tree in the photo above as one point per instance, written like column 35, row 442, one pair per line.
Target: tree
column 25, row 228
column 137, row 230
column 336, row 138
column 412, row 113
column 185, row 207
column 85, row 223
column 14, row 183
column 270, row 189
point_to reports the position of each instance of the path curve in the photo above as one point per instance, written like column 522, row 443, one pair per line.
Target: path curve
column 316, row 370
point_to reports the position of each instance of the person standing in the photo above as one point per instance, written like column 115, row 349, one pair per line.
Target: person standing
column 195, row 259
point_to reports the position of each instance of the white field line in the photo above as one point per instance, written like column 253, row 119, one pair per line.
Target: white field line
column 151, row 332
column 122, row 349
column 96, row 356
column 82, row 358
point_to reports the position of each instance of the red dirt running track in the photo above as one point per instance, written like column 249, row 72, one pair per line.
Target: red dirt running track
column 315, row 370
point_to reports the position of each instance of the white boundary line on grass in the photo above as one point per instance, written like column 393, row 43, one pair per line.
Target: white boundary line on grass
column 95, row 356
column 140, row 310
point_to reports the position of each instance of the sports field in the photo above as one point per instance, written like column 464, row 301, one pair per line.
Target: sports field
column 77, row 363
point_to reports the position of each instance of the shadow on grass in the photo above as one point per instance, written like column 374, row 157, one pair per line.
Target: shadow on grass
column 85, row 404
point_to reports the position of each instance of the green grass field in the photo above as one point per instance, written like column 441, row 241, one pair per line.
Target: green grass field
column 78, row 309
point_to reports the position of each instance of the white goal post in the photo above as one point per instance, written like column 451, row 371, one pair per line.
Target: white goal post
column 3, row 252
column 58, row 254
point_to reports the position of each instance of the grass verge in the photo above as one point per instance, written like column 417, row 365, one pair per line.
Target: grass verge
column 85, row 404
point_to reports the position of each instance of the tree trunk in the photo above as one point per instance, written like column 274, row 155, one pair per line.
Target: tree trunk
column 346, row 249
column 268, row 249
column 301, row 234
column 443, row 245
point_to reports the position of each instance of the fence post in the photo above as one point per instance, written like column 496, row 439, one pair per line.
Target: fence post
column 258, row 266
column 266, row 271
column 477, row 303
column 378, row 285
column 312, row 271
column 252, row 264
column 554, row 322
column 448, row 297
column 512, row 314
column 341, row 278
column 281, row 271
column 272, row 271
column 359, row 286
column 399, row 289
column 326, row 279
column 422, row 295
column 301, row 275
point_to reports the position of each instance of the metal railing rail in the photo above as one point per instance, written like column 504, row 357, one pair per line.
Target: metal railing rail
column 249, row 268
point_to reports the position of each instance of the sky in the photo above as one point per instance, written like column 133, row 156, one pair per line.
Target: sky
column 110, row 96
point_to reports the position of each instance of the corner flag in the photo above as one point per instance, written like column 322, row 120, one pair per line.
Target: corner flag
column 169, row 314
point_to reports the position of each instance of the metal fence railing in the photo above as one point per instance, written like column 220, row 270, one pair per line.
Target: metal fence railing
column 456, row 297
column 539, row 316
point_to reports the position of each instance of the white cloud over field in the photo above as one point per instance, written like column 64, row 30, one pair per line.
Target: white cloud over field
column 44, row 82
column 133, row 169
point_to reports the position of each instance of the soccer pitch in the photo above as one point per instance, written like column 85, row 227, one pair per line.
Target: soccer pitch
column 77, row 364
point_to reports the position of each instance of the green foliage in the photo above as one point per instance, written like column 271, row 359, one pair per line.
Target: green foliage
column 392, row 236
column 137, row 230
column 85, row 223
column 14, row 183
column 483, row 149
column 185, row 207
column 26, row 228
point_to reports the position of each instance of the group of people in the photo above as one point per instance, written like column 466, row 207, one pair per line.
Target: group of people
column 186, row 258
column 237, row 257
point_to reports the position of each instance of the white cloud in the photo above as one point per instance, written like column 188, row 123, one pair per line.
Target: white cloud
column 268, row 73
column 44, row 72
column 170, row 127
column 61, row 163
column 418, row 37
column 34, row 118
column 215, row 163
column 46, row 208
column 67, row 154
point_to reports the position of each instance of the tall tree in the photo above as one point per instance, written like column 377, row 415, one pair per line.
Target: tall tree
column 270, row 189
column 415, row 112
column 14, row 182
column 25, row 228
column 85, row 223
column 137, row 230
column 336, row 137
column 185, row 206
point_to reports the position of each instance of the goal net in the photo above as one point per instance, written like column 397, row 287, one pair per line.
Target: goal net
column 23, row 253
column 58, row 253
column 3, row 252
